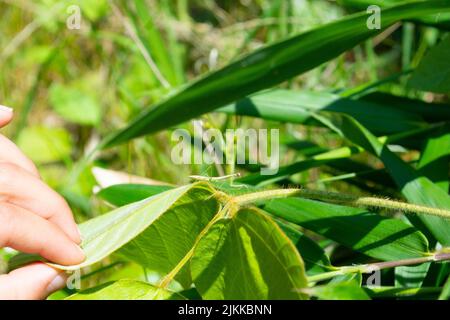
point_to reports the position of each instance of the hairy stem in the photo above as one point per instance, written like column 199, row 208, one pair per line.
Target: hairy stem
column 369, row 268
column 339, row 198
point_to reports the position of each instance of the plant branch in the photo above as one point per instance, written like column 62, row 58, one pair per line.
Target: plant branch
column 345, row 199
column 369, row 268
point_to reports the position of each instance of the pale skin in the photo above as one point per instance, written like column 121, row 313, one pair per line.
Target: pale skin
column 33, row 219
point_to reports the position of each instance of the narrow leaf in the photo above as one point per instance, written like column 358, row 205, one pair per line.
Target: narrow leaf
column 363, row 231
column 433, row 73
column 265, row 68
column 296, row 107
column 411, row 276
column 340, row 291
column 123, row 194
column 416, row 188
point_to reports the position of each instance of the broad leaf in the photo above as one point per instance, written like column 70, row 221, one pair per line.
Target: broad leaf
column 156, row 232
column 126, row 290
column 247, row 257
column 75, row 105
column 315, row 258
column 44, row 145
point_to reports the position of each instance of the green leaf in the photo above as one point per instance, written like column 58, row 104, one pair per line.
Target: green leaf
column 416, row 188
column 247, row 257
column 126, row 290
column 123, row 194
column 325, row 158
column 296, row 107
column 411, row 276
column 339, row 291
column 435, row 157
column 45, row 145
column 433, row 73
column 94, row 10
column 75, row 105
column 431, row 112
column 445, row 294
column 265, row 68
column 156, row 232
column 392, row 292
column 438, row 20
column 315, row 258
column 349, row 278
column 153, row 40
column 363, row 231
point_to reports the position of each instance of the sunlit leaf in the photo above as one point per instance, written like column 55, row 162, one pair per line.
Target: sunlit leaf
column 126, row 290
column 247, row 257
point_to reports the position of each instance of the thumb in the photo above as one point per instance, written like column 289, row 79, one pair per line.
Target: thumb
column 32, row 282
column 6, row 115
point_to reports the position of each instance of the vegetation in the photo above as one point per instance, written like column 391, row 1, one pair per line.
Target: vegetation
column 359, row 207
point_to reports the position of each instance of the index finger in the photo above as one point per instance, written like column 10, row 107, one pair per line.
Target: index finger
column 6, row 115
column 10, row 153
column 29, row 233
column 8, row 150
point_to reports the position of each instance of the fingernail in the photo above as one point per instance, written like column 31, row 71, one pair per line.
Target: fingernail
column 76, row 235
column 82, row 254
column 79, row 234
column 57, row 283
column 5, row 109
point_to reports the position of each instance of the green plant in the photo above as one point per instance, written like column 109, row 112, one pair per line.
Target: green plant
column 263, row 236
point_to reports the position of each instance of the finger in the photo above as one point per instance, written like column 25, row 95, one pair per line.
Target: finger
column 33, row 282
column 29, row 233
column 19, row 187
column 9, row 151
column 6, row 115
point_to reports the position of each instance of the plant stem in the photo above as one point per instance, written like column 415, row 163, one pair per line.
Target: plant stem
column 339, row 198
column 369, row 268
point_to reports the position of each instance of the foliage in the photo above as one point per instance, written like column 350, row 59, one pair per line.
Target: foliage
column 360, row 111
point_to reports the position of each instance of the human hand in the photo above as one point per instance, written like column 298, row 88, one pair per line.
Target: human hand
column 33, row 219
